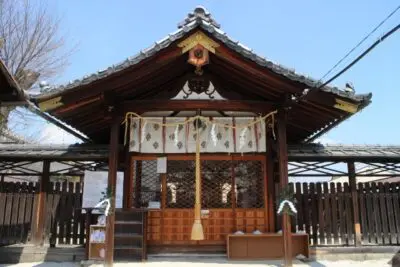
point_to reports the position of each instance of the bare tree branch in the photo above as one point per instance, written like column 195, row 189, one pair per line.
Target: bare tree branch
column 33, row 46
column 32, row 39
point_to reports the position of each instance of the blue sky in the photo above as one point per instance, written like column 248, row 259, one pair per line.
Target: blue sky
column 309, row 36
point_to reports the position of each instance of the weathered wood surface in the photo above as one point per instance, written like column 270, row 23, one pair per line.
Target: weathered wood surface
column 329, row 218
column 63, row 221
column 379, row 211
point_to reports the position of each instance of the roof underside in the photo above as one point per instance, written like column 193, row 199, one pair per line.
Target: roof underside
column 9, row 89
column 160, row 72
column 306, row 152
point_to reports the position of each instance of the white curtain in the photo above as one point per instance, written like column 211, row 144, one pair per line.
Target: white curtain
column 148, row 136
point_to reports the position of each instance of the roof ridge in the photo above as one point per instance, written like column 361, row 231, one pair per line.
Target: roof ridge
column 201, row 17
column 200, row 13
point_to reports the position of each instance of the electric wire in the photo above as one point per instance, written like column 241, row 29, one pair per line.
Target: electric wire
column 380, row 40
column 361, row 42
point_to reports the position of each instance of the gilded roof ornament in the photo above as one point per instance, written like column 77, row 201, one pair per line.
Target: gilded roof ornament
column 198, row 38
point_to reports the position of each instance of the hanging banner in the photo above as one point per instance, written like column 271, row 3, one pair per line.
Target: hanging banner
column 217, row 135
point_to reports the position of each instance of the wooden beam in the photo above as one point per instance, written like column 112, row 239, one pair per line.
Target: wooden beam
column 284, row 181
column 187, row 105
column 238, row 77
column 255, row 71
column 41, row 207
column 354, row 200
column 137, row 71
column 112, row 180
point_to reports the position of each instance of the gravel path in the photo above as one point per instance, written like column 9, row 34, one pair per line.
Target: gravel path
column 370, row 263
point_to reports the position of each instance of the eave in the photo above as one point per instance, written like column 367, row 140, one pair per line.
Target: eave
column 83, row 102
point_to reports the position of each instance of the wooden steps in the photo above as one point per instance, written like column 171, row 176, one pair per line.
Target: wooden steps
column 129, row 235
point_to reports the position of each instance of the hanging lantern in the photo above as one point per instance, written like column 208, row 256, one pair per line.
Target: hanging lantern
column 198, row 57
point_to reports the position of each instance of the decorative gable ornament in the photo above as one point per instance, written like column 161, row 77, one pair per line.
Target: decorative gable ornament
column 198, row 38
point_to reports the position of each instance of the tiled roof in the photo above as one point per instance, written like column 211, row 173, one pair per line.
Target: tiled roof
column 337, row 152
column 201, row 18
column 303, row 152
column 56, row 152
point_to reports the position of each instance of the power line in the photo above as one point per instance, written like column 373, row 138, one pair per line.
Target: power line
column 307, row 92
column 361, row 42
column 393, row 30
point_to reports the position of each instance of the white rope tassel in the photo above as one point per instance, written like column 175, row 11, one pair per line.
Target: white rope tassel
column 101, row 203
column 286, row 202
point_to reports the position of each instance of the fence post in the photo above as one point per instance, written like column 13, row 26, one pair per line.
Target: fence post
column 284, row 181
column 41, row 207
column 354, row 200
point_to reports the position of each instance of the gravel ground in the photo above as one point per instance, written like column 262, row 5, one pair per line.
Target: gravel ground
column 342, row 263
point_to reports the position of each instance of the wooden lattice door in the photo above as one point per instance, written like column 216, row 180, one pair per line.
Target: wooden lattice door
column 233, row 197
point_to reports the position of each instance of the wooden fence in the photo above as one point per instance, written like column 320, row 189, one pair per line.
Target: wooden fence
column 324, row 212
column 64, row 222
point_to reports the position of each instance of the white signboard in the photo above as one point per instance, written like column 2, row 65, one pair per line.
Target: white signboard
column 162, row 165
column 94, row 183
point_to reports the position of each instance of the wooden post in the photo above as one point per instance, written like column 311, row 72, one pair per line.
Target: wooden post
column 284, row 180
column 354, row 200
column 112, row 180
column 233, row 194
column 127, row 190
column 129, row 184
column 1, row 183
column 138, row 184
column 88, row 217
column 41, row 206
column 270, row 180
column 164, row 191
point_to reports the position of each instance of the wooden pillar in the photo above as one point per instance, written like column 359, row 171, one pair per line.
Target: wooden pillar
column 129, row 182
column 284, row 180
column 233, row 194
column 112, row 180
column 138, row 183
column 164, row 191
column 127, row 176
column 127, row 190
column 41, row 206
column 1, row 183
column 88, row 219
column 354, row 200
column 270, row 180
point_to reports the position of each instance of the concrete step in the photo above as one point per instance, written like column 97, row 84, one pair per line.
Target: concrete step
column 186, row 256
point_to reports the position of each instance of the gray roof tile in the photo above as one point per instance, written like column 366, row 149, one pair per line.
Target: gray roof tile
column 200, row 17
column 306, row 152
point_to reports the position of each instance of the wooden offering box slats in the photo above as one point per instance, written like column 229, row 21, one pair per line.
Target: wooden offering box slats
column 264, row 246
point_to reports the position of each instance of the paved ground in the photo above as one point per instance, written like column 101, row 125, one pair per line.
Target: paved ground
column 341, row 263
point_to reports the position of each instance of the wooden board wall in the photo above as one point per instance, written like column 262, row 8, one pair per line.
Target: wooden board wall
column 174, row 226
